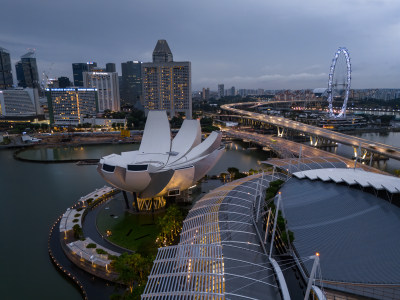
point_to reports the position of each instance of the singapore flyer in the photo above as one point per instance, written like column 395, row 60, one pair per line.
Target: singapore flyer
column 339, row 81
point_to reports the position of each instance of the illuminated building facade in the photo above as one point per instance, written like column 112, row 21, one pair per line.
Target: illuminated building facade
column 167, row 84
column 19, row 102
column 107, row 86
column 68, row 106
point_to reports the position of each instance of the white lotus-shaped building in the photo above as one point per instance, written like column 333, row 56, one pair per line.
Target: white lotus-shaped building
column 163, row 166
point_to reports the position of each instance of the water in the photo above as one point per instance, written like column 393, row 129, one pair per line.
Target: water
column 61, row 153
column 34, row 195
column 389, row 138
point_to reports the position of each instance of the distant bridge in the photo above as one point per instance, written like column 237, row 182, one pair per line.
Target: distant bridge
column 363, row 148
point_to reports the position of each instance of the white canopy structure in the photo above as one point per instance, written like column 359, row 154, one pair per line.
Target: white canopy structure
column 353, row 177
column 163, row 166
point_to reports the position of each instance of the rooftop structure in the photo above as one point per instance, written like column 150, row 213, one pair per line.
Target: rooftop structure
column 163, row 166
column 219, row 255
column 351, row 228
column 162, row 52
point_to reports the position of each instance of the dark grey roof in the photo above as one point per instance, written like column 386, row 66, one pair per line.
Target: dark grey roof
column 162, row 52
column 355, row 232
column 30, row 54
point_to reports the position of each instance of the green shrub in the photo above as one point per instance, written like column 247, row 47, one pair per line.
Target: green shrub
column 101, row 251
column 79, row 209
column 77, row 215
column 112, row 257
column 91, row 245
column 75, row 220
column 78, row 232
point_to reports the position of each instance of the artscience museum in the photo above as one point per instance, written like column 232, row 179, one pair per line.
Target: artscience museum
column 162, row 166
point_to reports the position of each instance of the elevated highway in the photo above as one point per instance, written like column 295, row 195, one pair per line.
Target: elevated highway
column 289, row 149
column 365, row 146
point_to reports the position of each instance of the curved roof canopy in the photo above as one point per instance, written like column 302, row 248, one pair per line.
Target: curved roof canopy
column 353, row 177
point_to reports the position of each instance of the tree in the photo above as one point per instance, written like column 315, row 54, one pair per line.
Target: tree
column 233, row 172
column 132, row 268
column 170, row 225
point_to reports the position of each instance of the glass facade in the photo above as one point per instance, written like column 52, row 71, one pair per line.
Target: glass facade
column 131, row 88
column 6, row 79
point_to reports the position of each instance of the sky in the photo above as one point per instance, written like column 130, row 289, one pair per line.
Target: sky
column 285, row 44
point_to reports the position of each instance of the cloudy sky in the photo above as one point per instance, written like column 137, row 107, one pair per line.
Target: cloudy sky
column 247, row 43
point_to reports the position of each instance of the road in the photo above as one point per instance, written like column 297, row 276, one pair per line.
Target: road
column 373, row 147
column 290, row 149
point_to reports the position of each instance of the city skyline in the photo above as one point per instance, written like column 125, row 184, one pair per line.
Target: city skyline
column 285, row 45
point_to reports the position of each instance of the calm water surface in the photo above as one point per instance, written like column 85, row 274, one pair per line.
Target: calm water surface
column 34, row 195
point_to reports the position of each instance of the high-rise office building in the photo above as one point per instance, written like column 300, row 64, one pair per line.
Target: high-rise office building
column 221, row 90
column 6, row 79
column 166, row 83
column 69, row 106
column 19, row 102
column 107, row 86
column 79, row 68
column 64, row 82
column 205, row 94
column 110, row 67
column 27, row 71
column 77, row 71
column 131, row 88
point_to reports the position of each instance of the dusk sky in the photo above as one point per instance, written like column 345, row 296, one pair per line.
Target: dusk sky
column 286, row 44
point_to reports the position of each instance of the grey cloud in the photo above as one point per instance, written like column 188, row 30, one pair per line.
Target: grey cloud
column 224, row 39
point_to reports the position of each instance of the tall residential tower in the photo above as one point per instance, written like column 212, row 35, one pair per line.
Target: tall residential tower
column 166, row 83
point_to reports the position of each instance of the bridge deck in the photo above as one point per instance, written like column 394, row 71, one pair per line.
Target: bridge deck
column 289, row 149
column 373, row 147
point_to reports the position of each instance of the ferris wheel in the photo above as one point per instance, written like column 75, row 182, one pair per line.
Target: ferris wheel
column 339, row 81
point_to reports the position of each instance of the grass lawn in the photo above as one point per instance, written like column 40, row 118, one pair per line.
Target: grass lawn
column 136, row 232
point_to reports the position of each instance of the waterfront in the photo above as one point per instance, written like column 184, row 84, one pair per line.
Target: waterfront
column 34, row 195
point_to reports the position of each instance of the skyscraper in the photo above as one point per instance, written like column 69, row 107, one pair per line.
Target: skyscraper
column 221, row 90
column 131, row 88
column 167, row 84
column 77, row 71
column 107, row 86
column 79, row 68
column 6, row 80
column 110, row 67
column 27, row 71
